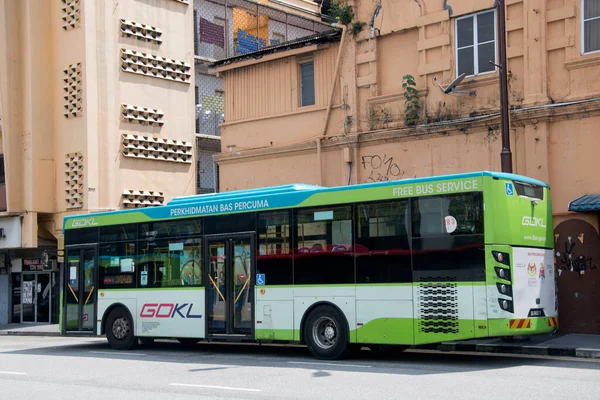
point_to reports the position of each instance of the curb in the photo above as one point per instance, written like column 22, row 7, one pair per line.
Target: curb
column 17, row 333
column 535, row 350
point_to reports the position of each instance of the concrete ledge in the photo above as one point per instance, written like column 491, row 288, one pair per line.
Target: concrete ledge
column 504, row 348
column 28, row 333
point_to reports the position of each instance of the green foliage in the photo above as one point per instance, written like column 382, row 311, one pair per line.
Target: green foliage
column 371, row 118
column 412, row 108
column 342, row 11
column 357, row 27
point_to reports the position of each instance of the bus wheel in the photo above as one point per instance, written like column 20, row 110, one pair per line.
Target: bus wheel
column 188, row 342
column 326, row 333
column 119, row 330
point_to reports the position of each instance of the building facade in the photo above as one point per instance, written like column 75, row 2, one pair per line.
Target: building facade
column 331, row 110
column 227, row 28
column 97, row 101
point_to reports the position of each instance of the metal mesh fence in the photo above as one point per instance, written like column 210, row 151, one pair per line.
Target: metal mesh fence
column 207, row 169
column 227, row 28
column 210, row 109
column 223, row 29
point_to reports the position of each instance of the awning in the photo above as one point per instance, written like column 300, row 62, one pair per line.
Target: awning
column 586, row 203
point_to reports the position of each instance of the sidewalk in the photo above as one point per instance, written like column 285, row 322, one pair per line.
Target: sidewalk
column 559, row 345
column 30, row 329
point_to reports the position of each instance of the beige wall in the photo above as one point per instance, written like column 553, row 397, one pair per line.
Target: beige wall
column 553, row 88
column 545, row 66
column 34, row 52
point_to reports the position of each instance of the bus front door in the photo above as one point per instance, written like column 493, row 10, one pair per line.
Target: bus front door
column 230, row 287
column 80, row 288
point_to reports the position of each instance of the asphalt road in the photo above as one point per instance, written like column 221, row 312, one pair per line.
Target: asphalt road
column 53, row 368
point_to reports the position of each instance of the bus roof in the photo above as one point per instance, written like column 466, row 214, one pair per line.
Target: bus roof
column 259, row 199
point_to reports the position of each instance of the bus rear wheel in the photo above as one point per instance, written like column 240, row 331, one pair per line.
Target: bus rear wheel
column 326, row 333
column 119, row 330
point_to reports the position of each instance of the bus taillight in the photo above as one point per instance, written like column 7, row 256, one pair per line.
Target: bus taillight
column 504, row 289
column 502, row 258
column 506, row 305
column 503, row 273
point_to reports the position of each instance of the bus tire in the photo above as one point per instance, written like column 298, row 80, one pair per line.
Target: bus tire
column 326, row 333
column 120, row 331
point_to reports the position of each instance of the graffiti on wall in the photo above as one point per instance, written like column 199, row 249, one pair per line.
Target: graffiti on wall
column 577, row 255
column 576, row 245
column 381, row 168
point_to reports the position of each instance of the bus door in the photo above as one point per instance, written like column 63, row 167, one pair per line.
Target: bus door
column 80, row 289
column 229, row 283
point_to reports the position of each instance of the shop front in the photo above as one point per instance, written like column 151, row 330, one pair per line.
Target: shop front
column 35, row 290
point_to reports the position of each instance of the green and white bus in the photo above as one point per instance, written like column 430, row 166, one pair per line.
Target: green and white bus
column 409, row 262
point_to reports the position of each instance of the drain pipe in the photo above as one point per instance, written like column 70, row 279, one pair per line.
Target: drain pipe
column 329, row 105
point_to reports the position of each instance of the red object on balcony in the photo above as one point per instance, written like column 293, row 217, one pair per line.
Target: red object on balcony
column 212, row 33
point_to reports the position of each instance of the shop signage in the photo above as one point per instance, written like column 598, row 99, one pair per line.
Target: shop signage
column 35, row 264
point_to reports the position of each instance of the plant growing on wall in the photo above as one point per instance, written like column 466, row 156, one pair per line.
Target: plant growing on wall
column 371, row 118
column 342, row 11
column 357, row 27
column 412, row 108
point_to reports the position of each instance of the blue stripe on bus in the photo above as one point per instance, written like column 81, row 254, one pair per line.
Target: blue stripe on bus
column 284, row 195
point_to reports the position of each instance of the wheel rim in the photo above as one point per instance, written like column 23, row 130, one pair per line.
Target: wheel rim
column 325, row 332
column 121, row 328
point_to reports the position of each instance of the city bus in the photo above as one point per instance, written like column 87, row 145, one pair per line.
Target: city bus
column 380, row 265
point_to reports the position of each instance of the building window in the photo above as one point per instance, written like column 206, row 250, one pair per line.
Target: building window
column 307, row 84
column 277, row 38
column 196, row 34
column 2, row 177
column 590, row 28
column 476, row 43
column 198, row 107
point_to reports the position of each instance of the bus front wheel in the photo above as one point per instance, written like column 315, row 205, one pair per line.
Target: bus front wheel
column 326, row 333
column 119, row 330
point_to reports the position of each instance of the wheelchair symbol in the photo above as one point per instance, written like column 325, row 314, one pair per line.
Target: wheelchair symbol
column 260, row 279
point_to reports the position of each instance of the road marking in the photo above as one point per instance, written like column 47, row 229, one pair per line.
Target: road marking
column 118, row 352
column 12, row 373
column 215, row 387
column 331, row 364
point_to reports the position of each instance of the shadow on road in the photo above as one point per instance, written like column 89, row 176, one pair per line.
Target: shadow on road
column 216, row 356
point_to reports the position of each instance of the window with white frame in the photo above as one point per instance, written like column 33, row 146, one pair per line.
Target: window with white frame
column 476, row 43
column 590, row 26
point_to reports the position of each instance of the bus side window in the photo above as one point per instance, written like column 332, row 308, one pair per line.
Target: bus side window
column 117, row 264
column 382, row 247
column 327, row 234
column 274, row 255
